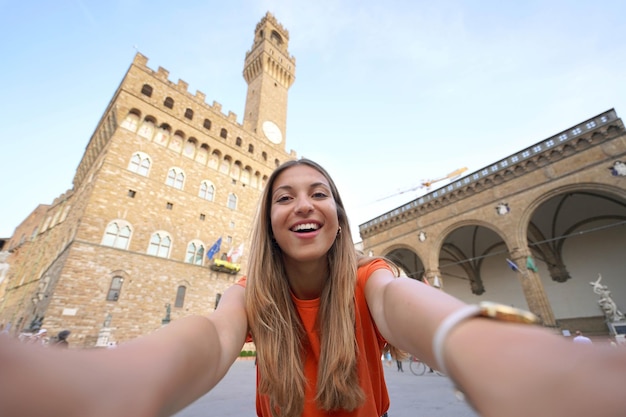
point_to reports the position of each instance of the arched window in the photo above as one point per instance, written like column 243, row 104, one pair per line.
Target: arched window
column 176, row 144
column 203, row 154
column 255, row 180
column 147, row 129
column 117, row 235
column 180, row 296
column 160, row 245
column 223, row 133
column 131, row 122
column 169, row 102
column 207, row 124
column 55, row 219
column 195, row 253
column 276, row 38
column 232, row 201
column 190, row 147
column 66, row 210
column 214, row 160
column 189, row 114
column 225, row 166
column 238, row 141
column 175, row 178
column 207, row 191
column 146, row 90
column 235, row 170
column 250, row 148
column 46, row 224
column 115, row 289
column 162, row 134
column 245, row 175
column 140, row 163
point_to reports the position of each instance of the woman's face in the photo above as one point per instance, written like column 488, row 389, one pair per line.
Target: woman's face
column 303, row 214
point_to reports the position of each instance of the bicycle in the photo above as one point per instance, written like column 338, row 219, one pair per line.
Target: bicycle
column 418, row 367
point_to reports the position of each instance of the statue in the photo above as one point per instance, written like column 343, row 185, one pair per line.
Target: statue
column 607, row 304
column 168, row 310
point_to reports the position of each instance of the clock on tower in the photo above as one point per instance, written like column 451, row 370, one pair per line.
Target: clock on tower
column 272, row 132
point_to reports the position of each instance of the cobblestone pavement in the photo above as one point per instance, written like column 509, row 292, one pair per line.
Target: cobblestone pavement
column 428, row 395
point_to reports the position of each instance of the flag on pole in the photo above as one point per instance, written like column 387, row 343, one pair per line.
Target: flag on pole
column 513, row 265
column 229, row 254
column 213, row 250
column 236, row 254
column 530, row 264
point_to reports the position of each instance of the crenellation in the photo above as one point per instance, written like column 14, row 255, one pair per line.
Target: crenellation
column 183, row 86
column 162, row 74
column 61, row 198
column 269, row 17
column 141, row 60
column 198, row 98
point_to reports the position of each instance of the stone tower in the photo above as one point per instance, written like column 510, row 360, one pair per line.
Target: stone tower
column 269, row 72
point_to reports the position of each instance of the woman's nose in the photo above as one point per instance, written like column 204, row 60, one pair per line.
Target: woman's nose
column 304, row 205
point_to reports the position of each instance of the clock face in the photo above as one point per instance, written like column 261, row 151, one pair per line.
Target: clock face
column 272, row 132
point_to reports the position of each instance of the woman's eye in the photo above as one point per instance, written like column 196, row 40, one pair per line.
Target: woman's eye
column 320, row 194
column 282, row 198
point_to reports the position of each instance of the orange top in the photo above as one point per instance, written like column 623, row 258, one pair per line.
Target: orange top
column 369, row 343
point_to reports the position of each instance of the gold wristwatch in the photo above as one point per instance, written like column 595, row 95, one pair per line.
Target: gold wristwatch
column 506, row 313
column 486, row 309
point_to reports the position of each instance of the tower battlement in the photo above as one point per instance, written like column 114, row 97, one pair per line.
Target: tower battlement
column 182, row 86
column 271, row 19
column 281, row 41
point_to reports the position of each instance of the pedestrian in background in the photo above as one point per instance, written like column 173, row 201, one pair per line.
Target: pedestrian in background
column 41, row 337
column 61, row 339
column 581, row 339
column 399, row 356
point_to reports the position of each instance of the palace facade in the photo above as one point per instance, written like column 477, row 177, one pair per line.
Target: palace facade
column 164, row 177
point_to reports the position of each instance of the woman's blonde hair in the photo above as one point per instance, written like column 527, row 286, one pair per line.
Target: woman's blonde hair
column 276, row 327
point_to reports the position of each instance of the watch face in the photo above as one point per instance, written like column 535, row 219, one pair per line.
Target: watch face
column 272, row 132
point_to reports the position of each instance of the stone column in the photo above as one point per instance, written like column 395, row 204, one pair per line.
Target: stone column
column 534, row 292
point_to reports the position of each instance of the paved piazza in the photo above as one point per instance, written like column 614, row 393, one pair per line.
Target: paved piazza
column 428, row 395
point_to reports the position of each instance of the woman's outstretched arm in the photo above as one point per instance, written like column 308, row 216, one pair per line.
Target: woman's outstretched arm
column 154, row 375
column 504, row 369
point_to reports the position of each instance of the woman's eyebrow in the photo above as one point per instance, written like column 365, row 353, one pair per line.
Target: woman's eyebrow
column 320, row 184
column 282, row 188
column 287, row 187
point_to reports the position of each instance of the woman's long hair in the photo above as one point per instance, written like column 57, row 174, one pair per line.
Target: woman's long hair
column 276, row 327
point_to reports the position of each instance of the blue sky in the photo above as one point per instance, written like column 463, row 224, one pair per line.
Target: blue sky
column 386, row 95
